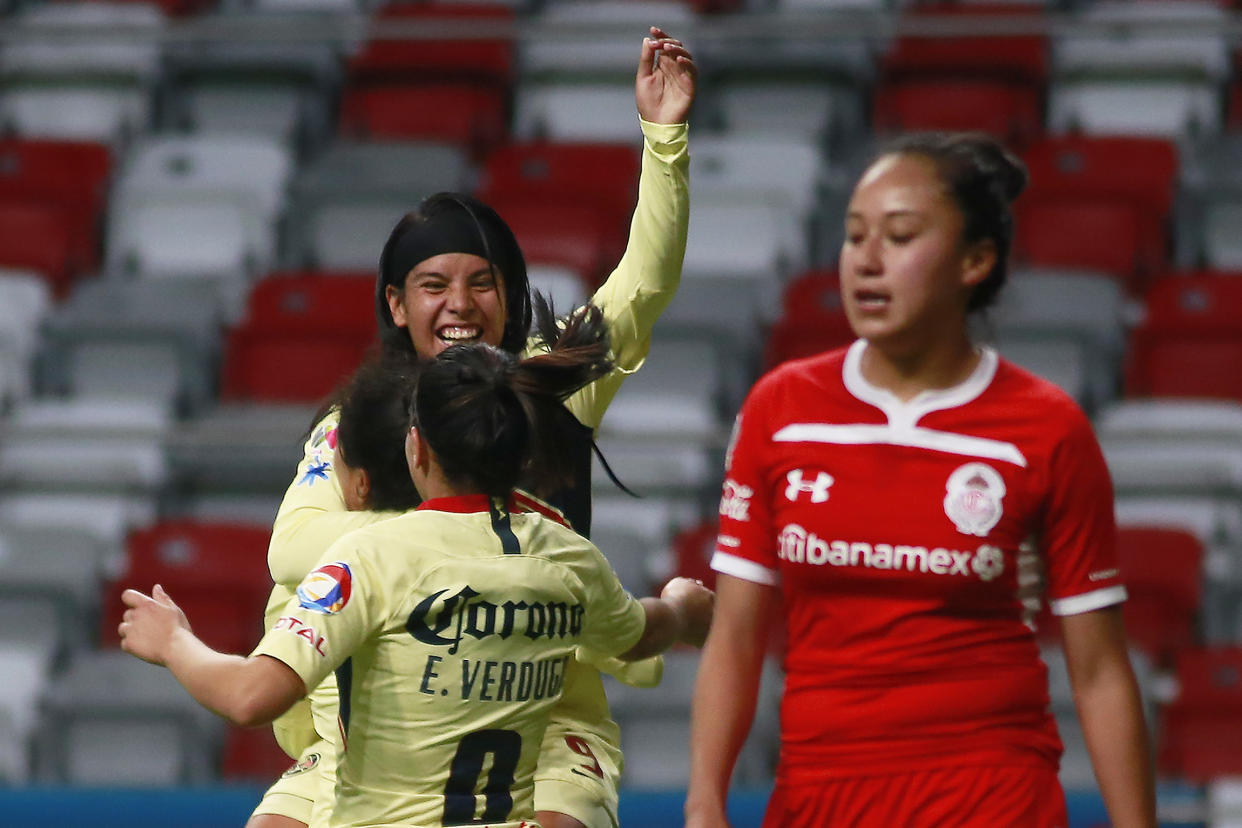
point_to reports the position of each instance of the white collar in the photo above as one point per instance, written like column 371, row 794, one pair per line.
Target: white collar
column 907, row 414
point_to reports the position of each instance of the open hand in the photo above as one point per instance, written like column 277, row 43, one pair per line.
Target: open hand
column 150, row 623
column 665, row 86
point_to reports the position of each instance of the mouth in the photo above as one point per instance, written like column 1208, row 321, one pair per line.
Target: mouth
column 871, row 300
column 459, row 334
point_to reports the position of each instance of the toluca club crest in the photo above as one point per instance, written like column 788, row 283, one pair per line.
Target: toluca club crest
column 973, row 498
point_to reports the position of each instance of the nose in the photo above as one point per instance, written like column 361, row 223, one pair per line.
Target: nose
column 459, row 299
column 867, row 258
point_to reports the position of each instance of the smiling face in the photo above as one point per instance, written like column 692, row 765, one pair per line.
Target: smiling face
column 906, row 274
column 447, row 300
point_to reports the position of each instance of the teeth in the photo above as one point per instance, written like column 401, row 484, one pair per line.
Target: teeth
column 459, row 334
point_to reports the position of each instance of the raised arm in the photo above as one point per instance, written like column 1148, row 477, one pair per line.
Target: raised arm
column 1110, row 711
column 725, row 691
column 644, row 281
column 248, row 691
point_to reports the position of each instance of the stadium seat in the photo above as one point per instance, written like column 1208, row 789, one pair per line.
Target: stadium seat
column 1098, row 203
column 1189, row 344
column 1201, row 728
column 303, row 334
column 25, row 299
column 30, row 647
column 112, row 720
column 564, row 233
column 812, row 320
column 741, row 166
column 37, row 237
column 252, row 756
column 994, row 83
column 578, row 111
column 467, row 115
column 482, row 61
column 73, row 175
column 601, row 175
column 217, row 573
column 605, row 44
column 1163, row 572
column 1149, row 78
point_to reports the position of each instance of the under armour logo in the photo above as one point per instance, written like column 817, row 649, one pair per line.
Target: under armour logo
column 818, row 489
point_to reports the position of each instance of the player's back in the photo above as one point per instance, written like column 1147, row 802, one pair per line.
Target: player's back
column 474, row 614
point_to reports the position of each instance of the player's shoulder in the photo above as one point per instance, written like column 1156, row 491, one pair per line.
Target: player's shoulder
column 822, row 371
column 1015, row 386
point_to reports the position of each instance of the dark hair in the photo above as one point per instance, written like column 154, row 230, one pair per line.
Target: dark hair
column 983, row 178
column 492, row 418
column 488, row 234
column 374, row 408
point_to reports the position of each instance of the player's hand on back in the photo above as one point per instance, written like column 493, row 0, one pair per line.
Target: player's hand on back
column 149, row 624
column 696, row 604
column 665, row 87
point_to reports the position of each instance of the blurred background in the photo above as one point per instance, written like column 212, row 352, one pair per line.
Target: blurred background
column 194, row 194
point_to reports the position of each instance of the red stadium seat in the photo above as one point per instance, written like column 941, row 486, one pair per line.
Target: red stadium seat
column 994, row 84
column 1098, row 202
column 72, row 175
column 304, row 333
column 602, row 176
column 562, row 233
column 1201, row 729
column 36, row 236
column 487, row 61
column 470, row 116
column 812, row 320
column 1162, row 568
column 252, row 755
column 1010, row 112
column 217, row 573
column 1190, row 342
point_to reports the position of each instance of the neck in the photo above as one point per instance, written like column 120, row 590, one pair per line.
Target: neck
column 433, row 484
column 908, row 372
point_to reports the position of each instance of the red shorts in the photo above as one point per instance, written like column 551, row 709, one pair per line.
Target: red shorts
column 987, row 796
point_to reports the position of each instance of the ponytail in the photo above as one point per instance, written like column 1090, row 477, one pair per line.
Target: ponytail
column 492, row 418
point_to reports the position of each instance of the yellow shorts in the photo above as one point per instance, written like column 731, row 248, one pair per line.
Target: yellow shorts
column 577, row 776
column 293, row 795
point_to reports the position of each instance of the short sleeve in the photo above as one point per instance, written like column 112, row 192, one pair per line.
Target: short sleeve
column 334, row 610
column 744, row 546
column 614, row 620
column 1079, row 534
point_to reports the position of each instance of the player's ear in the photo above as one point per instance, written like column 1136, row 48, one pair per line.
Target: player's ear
column 416, row 451
column 362, row 486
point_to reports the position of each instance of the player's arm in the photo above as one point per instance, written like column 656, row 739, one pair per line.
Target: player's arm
column 725, row 691
column 643, row 283
column 1110, row 710
column 681, row 615
column 248, row 691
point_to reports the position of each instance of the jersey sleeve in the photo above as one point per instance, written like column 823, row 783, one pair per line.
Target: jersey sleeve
column 1079, row 532
column 334, row 610
column 745, row 545
column 312, row 514
column 614, row 619
column 643, row 283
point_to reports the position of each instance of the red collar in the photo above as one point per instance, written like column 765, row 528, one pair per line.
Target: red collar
column 461, row 504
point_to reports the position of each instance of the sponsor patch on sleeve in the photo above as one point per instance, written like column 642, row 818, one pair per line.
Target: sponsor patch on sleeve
column 326, row 590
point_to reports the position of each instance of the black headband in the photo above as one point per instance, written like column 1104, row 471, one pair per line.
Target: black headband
column 448, row 231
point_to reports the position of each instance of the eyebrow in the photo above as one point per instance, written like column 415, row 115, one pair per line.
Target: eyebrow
column 435, row 274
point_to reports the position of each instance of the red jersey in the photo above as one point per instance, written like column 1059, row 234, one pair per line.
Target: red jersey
column 913, row 543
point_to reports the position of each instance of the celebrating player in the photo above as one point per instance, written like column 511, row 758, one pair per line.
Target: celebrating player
column 912, row 499
column 452, row 272
column 450, row 627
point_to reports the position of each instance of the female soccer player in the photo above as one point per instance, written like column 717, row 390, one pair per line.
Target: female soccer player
column 452, row 272
column 912, row 499
column 450, row 626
